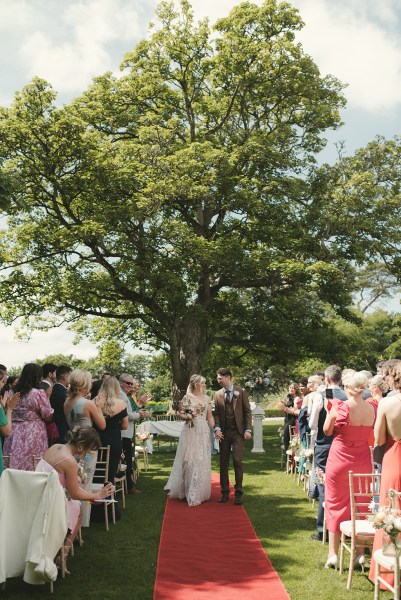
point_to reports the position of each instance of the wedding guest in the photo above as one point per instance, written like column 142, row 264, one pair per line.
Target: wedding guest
column 57, row 400
column 115, row 413
column 303, row 386
column 190, row 478
column 29, row 418
column 350, row 422
column 97, row 384
column 387, row 371
column 62, row 458
column 9, row 385
column 5, row 422
column 332, row 380
column 312, row 383
column 3, row 377
column 49, row 378
column 291, row 408
column 233, row 419
column 388, row 431
column 82, row 412
column 126, row 386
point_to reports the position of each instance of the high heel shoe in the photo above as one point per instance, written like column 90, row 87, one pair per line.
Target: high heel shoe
column 360, row 562
column 332, row 561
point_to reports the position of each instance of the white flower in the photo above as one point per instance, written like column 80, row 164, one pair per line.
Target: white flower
column 236, row 393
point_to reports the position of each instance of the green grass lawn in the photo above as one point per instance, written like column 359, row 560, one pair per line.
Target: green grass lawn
column 121, row 564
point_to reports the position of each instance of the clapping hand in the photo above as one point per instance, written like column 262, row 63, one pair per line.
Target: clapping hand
column 10, row 400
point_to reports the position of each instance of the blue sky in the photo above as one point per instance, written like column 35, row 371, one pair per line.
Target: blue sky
column 68, row 42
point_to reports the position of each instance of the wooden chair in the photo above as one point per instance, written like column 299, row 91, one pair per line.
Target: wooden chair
column 142, row 450
column 363, row 487
column 388, row 564
column 100, row 477
column 35, row 460
column 120, row 482
column 7, row 461
column 289, row 467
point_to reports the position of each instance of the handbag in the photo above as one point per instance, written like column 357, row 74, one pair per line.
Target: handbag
column 378, row 454
column 52, row 433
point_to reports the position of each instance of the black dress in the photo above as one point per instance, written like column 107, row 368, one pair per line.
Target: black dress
column 111, row 436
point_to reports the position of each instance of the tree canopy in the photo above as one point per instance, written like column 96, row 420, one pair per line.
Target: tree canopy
column 180, row 204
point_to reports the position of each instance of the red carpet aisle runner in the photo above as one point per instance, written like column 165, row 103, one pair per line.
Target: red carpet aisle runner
column 211, row 552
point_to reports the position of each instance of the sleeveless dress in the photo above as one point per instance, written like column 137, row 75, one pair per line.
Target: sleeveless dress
column 111, row 436
column 349, row 452
column 29, row 434
column 76, row 418
column 73, row 506
column 390, row 478
column 190, row 477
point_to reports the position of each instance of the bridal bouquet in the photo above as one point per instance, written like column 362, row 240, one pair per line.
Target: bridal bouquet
column 188, row 408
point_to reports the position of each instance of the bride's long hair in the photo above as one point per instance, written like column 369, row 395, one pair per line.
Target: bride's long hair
column 192, row 383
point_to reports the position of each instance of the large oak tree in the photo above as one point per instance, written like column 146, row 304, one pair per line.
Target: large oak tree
column 171, row 205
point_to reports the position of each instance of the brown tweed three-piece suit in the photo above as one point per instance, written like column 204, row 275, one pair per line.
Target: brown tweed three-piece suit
column 233, row 418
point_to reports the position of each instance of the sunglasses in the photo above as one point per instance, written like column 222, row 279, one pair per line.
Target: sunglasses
column 128, row 382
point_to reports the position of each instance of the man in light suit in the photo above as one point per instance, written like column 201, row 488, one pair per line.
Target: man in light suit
column 233, row 424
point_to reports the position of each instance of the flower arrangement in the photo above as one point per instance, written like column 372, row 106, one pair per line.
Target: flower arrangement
column 257, row 383
column 142, row 436
column 307, row 452
column 388, row 518
column 82, row 474
column 295, row 443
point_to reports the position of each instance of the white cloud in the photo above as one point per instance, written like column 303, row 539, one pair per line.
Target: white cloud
column 15, row 353
column 358, row 42
column 71, row 42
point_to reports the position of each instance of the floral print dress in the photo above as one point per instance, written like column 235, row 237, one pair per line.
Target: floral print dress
column 29, row 435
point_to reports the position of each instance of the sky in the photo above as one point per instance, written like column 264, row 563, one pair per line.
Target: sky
column 68, row 42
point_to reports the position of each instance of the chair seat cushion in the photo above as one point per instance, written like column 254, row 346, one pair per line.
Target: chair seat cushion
column 388, row 562
column 363, row 528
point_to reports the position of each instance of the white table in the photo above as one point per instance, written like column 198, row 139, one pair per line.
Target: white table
column 171, row 429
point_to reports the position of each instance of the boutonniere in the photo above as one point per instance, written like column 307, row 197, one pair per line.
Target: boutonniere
column 236, row 394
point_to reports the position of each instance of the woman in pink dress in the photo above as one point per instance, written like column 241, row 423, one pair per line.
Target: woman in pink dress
column 351, row 423
column 29, row 434
column 388, row 431
column 63, row 459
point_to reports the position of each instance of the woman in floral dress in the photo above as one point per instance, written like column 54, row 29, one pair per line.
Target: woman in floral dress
column 29, row 417
column 190, row 477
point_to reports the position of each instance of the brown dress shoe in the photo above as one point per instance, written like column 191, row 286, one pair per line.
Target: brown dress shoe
column 134, row 491
column 223, row 498
column 238, row 500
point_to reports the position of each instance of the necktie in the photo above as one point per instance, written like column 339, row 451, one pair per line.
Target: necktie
column 227, row 397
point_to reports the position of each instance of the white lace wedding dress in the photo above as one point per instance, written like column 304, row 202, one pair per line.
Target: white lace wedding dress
column 190, row 477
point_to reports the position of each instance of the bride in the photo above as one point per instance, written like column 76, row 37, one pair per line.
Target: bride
column 190, row 477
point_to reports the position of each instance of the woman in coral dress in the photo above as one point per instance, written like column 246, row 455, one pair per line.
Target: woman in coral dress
column 351, row 422
column 388, row 431
column 29, row 417
column 190, row 477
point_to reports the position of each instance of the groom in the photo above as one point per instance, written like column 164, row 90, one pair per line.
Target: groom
column 233, row 424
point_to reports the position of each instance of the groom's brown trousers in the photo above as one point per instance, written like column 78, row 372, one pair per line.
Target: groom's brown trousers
column 232, row 438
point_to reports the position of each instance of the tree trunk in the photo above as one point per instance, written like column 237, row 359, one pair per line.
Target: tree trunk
column 188, row 348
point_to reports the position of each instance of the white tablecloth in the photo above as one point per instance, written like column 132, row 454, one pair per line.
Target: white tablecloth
column 170, row 428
